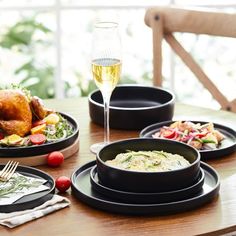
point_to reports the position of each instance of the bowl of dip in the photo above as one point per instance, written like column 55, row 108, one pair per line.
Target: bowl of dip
column 148, row 165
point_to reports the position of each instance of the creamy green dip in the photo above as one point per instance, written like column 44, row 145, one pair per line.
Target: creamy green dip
column 150, row 161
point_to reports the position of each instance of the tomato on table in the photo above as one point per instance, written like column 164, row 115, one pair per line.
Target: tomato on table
column 37, row 138
column 63, row 183
column 55, row 159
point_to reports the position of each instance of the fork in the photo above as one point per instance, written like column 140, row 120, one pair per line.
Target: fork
column 8, row 170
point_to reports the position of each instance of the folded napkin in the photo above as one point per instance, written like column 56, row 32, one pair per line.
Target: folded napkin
column 14, row 219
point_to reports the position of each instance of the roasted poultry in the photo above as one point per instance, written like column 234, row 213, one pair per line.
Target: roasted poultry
column 15, row 112
column 38, row 110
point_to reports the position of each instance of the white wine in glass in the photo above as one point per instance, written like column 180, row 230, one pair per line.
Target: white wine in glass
column 106, row 68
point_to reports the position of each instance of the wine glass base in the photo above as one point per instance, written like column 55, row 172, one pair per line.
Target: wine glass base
column 95, row 148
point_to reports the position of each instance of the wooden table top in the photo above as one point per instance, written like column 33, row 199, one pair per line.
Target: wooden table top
column 215, row 218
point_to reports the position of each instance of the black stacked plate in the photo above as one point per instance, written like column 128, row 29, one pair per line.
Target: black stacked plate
column 85, row 188
column 135, row 192
column 155, row 197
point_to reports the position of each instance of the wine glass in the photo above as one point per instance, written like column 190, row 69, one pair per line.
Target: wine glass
column 106, row 68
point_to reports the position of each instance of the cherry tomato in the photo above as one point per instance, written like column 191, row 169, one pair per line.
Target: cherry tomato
column 37, row 138
column 38, row 122
column 170, row 134
column 201, row 135
column 55, row 159
column 63, row 183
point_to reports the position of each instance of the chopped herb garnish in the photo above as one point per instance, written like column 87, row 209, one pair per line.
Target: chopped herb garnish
column 161, row 153
column 127, row 159
column 17, row 183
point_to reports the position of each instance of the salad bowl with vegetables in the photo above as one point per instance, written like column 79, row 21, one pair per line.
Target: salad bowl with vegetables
column 211, row 139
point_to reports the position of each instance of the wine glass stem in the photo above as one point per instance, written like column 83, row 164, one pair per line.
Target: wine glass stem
column 106, row 119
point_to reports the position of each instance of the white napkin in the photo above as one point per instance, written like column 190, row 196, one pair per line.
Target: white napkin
column 14, row 219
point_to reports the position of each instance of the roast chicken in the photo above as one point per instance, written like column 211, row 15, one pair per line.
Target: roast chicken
column 17, row 112
column 38, row 110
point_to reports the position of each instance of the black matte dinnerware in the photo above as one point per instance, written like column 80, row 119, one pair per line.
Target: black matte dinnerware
column 133, row 107
column 44, row 148
column 82, row 190
column 226, row 147
column 141, row 181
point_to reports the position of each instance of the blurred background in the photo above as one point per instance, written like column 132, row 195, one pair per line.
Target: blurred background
column 45, row 45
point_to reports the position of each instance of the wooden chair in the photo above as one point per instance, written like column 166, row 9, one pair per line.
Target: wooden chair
column 165, row 21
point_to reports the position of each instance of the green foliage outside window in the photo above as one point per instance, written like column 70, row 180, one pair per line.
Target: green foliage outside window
column 35, row 76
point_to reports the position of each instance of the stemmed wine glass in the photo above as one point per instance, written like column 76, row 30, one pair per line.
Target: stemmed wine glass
column 106, row 68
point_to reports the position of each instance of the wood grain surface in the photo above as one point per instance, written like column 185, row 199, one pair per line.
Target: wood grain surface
column 215, row 218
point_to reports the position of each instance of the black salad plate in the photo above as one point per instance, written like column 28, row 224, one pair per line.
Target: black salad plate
column 155, row 197
column 82, row 190
column 227, row 146
column 32, row 200
column 43, row 148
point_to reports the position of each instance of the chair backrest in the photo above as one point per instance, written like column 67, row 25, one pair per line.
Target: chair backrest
column 164, row 21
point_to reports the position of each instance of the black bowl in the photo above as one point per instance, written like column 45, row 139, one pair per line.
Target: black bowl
column 135, row 181
column 133, row 107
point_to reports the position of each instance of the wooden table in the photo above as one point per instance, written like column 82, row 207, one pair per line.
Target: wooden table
column 215, row 218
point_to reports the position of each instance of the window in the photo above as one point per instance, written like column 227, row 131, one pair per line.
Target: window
column 45, row 45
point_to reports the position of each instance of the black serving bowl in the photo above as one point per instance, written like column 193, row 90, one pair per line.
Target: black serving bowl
column 136, row 181
column 133, row 107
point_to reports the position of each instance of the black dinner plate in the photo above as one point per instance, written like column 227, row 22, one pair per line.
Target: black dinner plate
column 32, row 200
column 82, row 190
column 43, row 148
column 227, row 146
column 155, row 197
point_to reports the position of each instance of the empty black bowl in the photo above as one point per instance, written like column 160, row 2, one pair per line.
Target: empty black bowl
column 133, row 107
column 136, row 181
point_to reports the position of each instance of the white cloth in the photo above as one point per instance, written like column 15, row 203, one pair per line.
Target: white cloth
column 14, row 219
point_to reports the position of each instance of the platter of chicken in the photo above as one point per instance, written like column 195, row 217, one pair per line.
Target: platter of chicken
column 28, row 128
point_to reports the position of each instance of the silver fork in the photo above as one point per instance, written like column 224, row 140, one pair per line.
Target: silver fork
column 8, row 170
